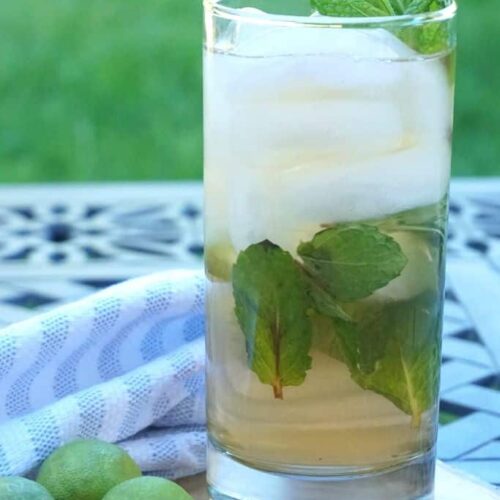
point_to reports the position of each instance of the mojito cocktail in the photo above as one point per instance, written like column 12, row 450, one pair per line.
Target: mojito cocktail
column 327, row 163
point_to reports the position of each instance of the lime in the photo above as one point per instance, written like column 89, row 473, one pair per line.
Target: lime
column 219, row 259
column 152, row 488
column 86, row 470
column 18, row 488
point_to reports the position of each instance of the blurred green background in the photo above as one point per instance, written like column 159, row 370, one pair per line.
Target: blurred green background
column 93, row 90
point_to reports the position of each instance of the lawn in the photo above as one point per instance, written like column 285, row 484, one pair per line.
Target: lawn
column 93, row 90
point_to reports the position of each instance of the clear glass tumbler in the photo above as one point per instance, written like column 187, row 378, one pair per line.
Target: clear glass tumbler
column 327, row 164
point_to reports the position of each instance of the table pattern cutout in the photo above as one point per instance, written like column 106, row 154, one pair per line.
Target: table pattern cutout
column 61, row 243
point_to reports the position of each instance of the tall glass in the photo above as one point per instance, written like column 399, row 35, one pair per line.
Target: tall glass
column 327, row 163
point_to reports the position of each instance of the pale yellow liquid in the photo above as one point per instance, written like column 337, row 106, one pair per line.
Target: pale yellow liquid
column 327, row 421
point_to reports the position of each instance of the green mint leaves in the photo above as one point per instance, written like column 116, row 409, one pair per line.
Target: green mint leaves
column 271, row 306
column 354, row 8
column 393, row 350
column 374, row 8
column 428, row 38
column 407, row 373
column 352, row 260
column 283, row 305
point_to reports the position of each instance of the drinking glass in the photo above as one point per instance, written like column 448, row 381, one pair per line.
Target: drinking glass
column 327, row 164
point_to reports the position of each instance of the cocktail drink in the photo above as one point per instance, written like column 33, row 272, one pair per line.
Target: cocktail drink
column 327, row 163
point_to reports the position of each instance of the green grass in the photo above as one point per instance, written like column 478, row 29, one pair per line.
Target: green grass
column 477, row 117
column 93, row 90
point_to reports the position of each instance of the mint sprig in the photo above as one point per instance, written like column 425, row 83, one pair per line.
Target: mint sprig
column 391, row 348
column 429, row 38
column 272, row 302
column 375, row 8
column 275, row 295
column 354, row 8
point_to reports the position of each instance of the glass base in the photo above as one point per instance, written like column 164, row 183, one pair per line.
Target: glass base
column 229, row 479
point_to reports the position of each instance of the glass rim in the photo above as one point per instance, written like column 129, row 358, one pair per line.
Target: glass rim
column 218, row 8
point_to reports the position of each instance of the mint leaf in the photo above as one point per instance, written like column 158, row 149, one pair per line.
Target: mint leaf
column 394, row 351
column 375, row 8
column 351, row 261
column 354, row 8
column 371, row 8
column 417, row 6
column 429, row 38
column 427, row 218
column 347, row 342
column 272, row 302
column 372, row 336
column 324, row 303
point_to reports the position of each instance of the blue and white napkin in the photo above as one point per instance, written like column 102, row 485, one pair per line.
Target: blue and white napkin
column 125, row 365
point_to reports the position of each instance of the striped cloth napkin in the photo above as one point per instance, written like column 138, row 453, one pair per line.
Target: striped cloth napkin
column 125, row 365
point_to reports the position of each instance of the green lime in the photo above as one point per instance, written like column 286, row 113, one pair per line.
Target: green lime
column 86, row 470
column 152, row 488
column 18, row 488
column 219, row 259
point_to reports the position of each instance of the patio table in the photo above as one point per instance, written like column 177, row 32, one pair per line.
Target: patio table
column 59, row 243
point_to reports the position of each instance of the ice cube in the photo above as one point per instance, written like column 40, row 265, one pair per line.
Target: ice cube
column 290, row 205
column 339, row 88
column 312, row 98
column 251, row 38
column 325, row 125
column 419, row 274
column 256, row 215
column 370, row 188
